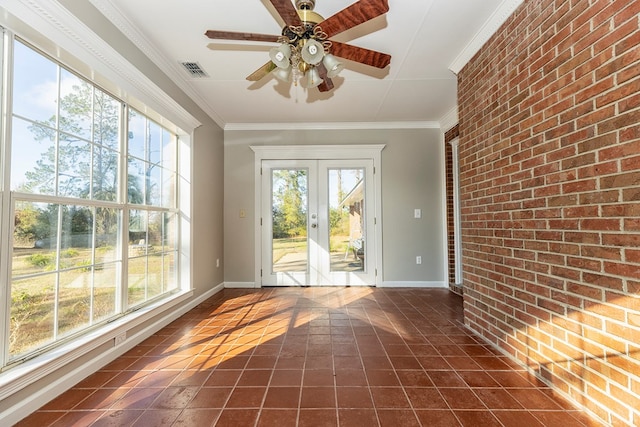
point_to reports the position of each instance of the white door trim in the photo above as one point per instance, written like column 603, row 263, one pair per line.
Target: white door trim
column 319, row 152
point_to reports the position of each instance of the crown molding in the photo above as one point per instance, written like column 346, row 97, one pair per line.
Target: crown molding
column 66, row 31
column 449, row 120
column 330, row 126
column 502, row 13
column 171, row 69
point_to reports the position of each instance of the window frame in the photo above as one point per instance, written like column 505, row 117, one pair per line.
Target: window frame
column 9, row 198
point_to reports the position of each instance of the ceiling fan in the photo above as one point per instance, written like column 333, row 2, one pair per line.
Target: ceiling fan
column 306, row 51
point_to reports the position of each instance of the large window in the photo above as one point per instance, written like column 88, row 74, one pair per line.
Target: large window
column 93, row 206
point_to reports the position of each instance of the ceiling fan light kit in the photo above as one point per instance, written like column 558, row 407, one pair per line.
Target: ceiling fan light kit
column 305, row 54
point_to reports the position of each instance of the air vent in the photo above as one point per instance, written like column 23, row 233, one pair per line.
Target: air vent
column 194, row 69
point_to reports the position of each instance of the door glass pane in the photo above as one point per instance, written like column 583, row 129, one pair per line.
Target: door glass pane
column 289, row 205
column 346, row 219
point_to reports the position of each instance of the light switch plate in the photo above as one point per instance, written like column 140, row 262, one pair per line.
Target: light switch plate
column 417, row 213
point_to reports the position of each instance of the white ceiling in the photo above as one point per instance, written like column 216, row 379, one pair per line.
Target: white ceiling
column 428, row 40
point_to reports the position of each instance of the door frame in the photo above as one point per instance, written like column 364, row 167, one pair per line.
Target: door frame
column 320, row 152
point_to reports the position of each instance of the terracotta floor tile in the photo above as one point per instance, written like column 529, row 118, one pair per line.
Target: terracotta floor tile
column 119, row 364
column 246, row 397
column 493, row 363
column 41, row 418
column 462, row 363
column 210, row 397
column 76, row 418
column 318, row 418
column 474, row 418
column 397, row 417
column 125, row 379
column 423, row 350
column 138, row 398
column 267, row 350
column 102, row 398
column 432, row 363
column 313, row 357
column 319, row 362
column 155, row 417
column 319, row 349
column 347, row 362
column 478, row 379
column 158, row 379
column 414, row 378
column 451, row 350
column 389, row 397
column 354, row 397
column 566, row 418
column 261, row 362
column 497, row 398
column 398, row 350
column 118, row 418
column 519, row 419
column 426, row 398
column 345, row 349
column 290, row 362
column 278, row 418
column 175, row 397
column 351, row 377
column 461, row 398
column 438, row 418
column 235, row 362
column 282, row 397
column 357, row 417
column 251, row 378
column 532, row 398
column 446, row 379
column 177, row 362
column 318, row 378
column 382, row 378
column 237, row 417
column 197, row 417
column 286, row 377
column 223, row 378
column 191, row 378
column 68, row 400
column 318, row 397
column 405, row 362
column 95, row 380
column 376, row 362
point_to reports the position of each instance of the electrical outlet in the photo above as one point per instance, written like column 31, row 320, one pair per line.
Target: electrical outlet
column 418, row 260
column 119, row 339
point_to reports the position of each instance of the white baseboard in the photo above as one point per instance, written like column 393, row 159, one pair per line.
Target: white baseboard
column 396, row 284
column 20, row 410
column 240, row 285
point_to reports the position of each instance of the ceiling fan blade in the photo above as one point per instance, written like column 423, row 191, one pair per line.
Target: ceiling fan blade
column 262, row 71
column 232, row 35
column 326, row 84
column 360, row 54
column 288, row 12
column 354, row 15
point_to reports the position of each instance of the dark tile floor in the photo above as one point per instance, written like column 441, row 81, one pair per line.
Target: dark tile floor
column 313, row 357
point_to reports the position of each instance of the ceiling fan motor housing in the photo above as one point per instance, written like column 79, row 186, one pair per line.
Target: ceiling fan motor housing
column 305, row 4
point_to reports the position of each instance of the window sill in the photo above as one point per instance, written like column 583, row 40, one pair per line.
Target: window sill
column 28, row 372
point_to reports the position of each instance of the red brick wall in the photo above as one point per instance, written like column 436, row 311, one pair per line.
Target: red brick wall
column 550, row 193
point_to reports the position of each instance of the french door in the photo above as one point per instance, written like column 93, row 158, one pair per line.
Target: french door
column 317, row 222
